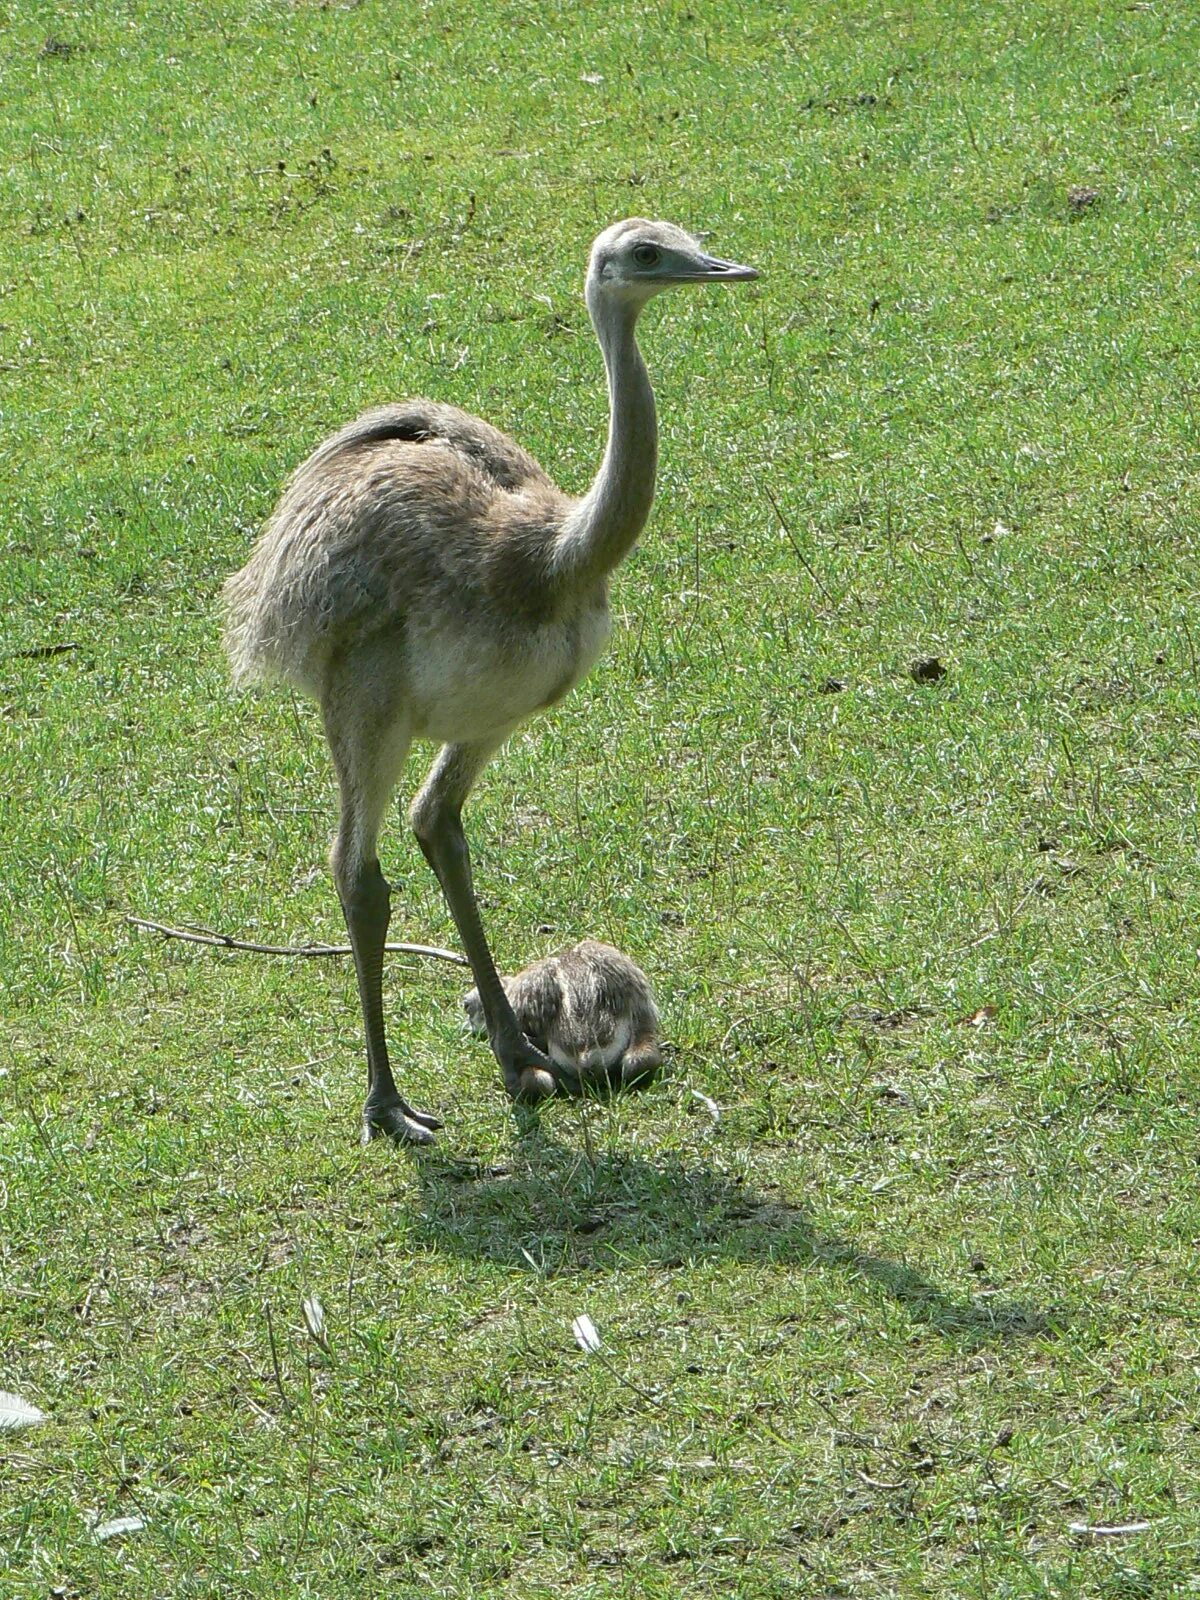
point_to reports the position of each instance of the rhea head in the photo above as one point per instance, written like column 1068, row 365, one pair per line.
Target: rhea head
column 636, row 259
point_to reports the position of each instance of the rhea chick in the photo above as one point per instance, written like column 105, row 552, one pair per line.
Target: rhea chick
column 591, row 1010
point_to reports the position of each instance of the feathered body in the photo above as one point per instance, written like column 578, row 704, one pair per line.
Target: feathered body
column 431, row 534
column 591, row 1009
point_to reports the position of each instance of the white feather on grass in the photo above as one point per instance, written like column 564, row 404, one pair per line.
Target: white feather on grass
column 314, row 1320
column 1112, row 1530
column 16, row 1413
column 585, row 1333
column 117, row 1528
column 709, row 1105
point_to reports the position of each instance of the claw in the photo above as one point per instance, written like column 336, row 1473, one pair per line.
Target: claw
column 425, row 1118
column 399, row 1124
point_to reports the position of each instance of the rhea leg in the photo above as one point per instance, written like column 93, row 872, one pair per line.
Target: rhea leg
column 368, row 755
column 436, row 818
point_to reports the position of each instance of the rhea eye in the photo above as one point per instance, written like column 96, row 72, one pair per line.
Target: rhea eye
column 645, row 255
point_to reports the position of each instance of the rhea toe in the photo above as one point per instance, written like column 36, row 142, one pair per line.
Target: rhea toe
column 424, row 578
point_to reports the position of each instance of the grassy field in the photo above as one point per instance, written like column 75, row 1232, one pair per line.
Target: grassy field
column 925, row 1295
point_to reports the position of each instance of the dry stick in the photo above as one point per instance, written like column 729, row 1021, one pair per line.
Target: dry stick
column 312, row 1459
column 628, row 1383
column 287, row 1404
column 225, row 941
column 40, row 652
column 792, row 540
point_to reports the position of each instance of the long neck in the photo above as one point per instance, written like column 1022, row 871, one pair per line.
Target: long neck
column 607, row 521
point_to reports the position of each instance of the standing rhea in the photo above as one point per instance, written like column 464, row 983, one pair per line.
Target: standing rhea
column 591, row 1010
column 424, row 578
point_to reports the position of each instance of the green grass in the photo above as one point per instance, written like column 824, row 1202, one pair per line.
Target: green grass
column 925, row 1295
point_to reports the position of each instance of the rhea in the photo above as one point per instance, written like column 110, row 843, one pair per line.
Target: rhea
column 424, row 578
column 591, row 1010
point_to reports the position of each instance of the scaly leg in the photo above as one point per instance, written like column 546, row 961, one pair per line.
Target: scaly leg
column 368, row 755
column 436, row 818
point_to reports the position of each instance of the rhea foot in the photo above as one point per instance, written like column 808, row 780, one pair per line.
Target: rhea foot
column 394, row 1120
column 529, row 1076
column 637, row 1069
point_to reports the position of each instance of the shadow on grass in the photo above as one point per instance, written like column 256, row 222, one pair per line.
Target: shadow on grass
column 559, row 1210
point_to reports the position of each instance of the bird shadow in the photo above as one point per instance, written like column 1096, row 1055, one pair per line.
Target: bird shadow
column 560, row 1210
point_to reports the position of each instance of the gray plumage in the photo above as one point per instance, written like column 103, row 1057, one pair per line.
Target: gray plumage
column 590, row 1009
column 473, row 508
column 422, row 577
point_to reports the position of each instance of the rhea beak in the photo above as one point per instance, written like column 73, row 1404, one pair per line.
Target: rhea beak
column 718, row 271
column 714, row 270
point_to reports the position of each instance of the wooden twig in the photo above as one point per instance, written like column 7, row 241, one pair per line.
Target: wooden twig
column 278, row 1371
column 794, row 542
column 225, row 941
column 41, row 652
column 311, row 1472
